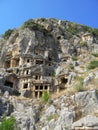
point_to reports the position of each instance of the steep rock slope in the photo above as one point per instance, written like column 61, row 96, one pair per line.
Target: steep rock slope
column 53, row 56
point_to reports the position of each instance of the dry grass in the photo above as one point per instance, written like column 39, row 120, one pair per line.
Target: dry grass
column 57, row 95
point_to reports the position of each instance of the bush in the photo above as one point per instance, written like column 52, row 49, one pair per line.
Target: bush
column 52, row 116
column 95, row 32
column 7, row 124
column 7, row 34
column 83, row 43
column 87, row 29
column 95, row 54
column 71, row 30
column 45, row 96
column 79, row 87
column 30, row 24
column 53, row 73
column 93, row 64
column 74, row 58
column 71, row 66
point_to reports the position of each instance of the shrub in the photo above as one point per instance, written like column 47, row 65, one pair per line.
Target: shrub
column 52, row 116
column 95, row 32
column 44, row 19
column 71, row 66
column 87, row 28
column 7, row 124
column 7, row 34
column 30, row 24
column 45, row 96
column 53, row 73
column 83, row 43
column 75, row 58
column 93, row 64
column 80, row 79
column 79, row 87
column 72, row 30
column 95, row 54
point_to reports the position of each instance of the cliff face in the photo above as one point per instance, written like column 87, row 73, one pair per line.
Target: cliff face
column 49, row 55
column 44, row 51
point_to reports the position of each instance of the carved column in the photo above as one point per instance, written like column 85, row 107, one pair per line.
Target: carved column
column 12, row 63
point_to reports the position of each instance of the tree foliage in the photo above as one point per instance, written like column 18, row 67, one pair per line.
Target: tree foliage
column 30, row 24
column 7, row 34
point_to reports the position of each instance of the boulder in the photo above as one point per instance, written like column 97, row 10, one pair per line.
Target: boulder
column 88, row 121
column 87, row 101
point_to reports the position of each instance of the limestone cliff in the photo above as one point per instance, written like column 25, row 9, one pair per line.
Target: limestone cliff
column 53, row 56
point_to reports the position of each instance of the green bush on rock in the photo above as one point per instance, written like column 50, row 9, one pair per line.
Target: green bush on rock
column 45, row 96
column 93, row 64
column 7, row 124
column 7, row 34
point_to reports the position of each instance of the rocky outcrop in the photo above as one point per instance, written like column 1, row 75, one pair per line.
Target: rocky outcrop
column 5, row 107
column 88, row 122
column 49, row 55
column 87, row 101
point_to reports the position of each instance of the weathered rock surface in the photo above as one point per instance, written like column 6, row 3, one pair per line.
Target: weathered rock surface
column 49, row 55
column 88, row 121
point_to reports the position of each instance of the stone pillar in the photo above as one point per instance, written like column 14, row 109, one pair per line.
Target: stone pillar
column 12, row 63
column 20, row 61
column 43, row 87
column 28, row 85
column 29, row 71
column 58, row 90
column 46, row 54
column 38, row 94
column 34, row 94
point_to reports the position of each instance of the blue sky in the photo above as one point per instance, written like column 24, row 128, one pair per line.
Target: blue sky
column 14, row 12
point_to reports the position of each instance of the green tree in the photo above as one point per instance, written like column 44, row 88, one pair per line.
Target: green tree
column 7, row 124
column 7, row 34
column 30, row 24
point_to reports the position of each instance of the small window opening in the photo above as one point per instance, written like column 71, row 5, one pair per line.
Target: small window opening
column 36, row 77
column 41, row 87
column 25, row 85
column 49, row 64
column 36, row 94
column 39, row 62
column 46, row 87
column 49, row 74
column 36, row 87
column 49, row 58
column 40, row 94
column 28, row 60
column 9, row 84
column 64, row 80
column 27, row 72
column 58, row 37
column 17, row 71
